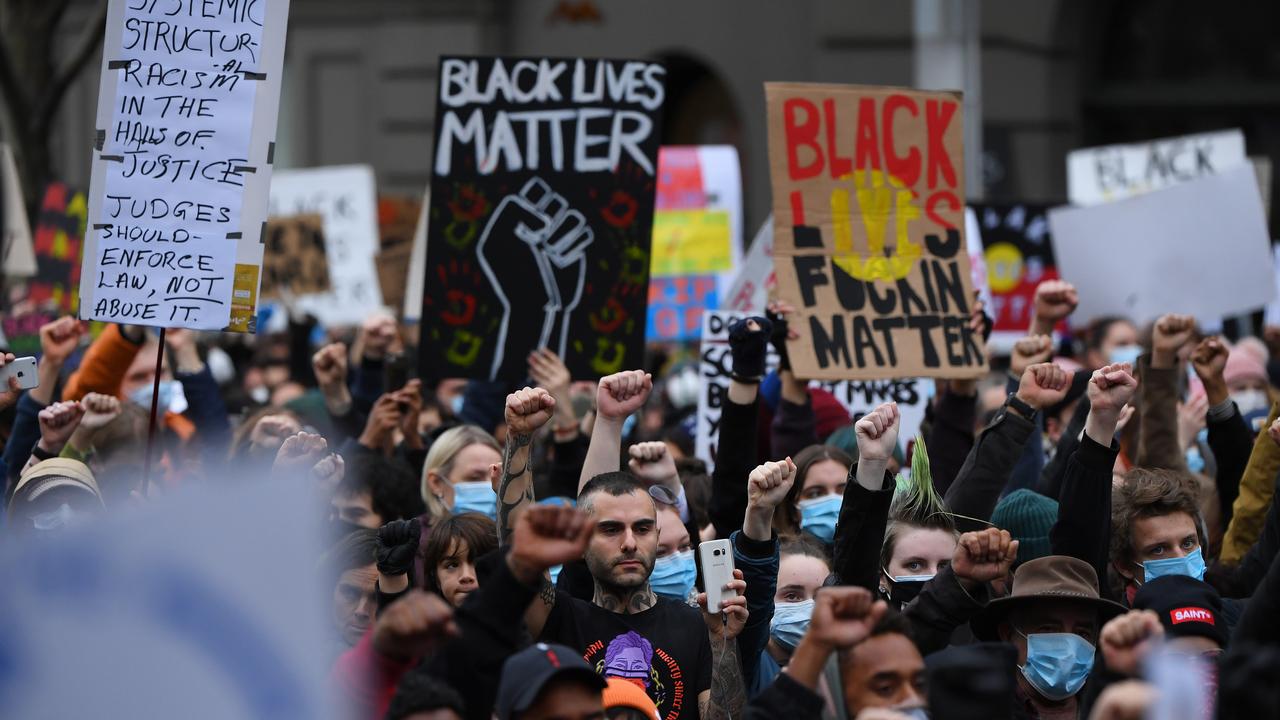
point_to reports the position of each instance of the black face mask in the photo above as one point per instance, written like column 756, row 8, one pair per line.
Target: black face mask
column 903, row 592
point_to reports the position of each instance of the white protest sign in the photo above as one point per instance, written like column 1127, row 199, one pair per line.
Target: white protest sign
column 1199, row 247
column 346, row 196
column 1112, row 172
column 15, row 242
column 749, row 291
column 186, row 125
column 417, row 265
column 181, row 608
column 859, row 397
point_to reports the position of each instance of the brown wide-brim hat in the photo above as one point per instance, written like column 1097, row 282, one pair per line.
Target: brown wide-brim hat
column 1056, row 577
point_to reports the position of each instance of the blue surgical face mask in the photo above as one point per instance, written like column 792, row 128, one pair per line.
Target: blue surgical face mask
column 818, row 516
column 1125, row 354
column 1192, row 565
column 1195, row 461
column 790, row 621
column 555, row 574
column 455, row 405
column 476, row 496
column 1057, row 663
column 673, row 575
column 172, row 398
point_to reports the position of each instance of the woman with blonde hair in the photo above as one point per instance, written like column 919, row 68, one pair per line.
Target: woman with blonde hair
column 460, row 474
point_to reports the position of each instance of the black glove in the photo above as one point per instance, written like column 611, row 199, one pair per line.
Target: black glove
column 397, row 545
column 748, row 348
column 778, row 338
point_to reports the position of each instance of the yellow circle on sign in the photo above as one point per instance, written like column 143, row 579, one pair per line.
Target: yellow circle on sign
column 1004, row 267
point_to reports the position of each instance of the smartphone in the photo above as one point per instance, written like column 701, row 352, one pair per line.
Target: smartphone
column 717, row 571
column 23, row 368
column 396, row 373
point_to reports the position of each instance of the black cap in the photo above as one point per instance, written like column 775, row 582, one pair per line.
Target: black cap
column 526, row 673
column 1187, row 607
column 972, row 682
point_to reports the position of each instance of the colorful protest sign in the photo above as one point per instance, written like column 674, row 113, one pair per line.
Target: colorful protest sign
column 1112, row 172
column 869, row 231
column 55, row 288
column 1019, row 256
column 755, row 279
column 19, row 258
column 1200, row 247
column 857, row 396
column 346, row 197
column 295, row 262
column 696, row 226
column 185, row 140
column 542, row 198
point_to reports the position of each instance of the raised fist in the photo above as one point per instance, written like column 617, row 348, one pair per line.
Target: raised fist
column 1043, row 385
column 622, row 394
column 1111, row 388
column 381, row 336
column 59, row 339
column 527, row 410
column 1168, row 336
column 57, row 422
column 545, row 536
column 653, row 464
column 1055, row 300
column 843, row 616
column 1029, row 351
column 299, row 451
column 984, row 556
column 99, row 410
column 410, row 626
column 768, row 484
column 397, row 545
column 330, row 365
column 1124, row 640
column 877, row 433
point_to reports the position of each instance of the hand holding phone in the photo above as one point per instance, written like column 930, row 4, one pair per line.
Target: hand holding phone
column 717, row 571
column 23, row 368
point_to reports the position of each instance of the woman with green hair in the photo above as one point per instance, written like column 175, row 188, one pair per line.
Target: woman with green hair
column 921, row 534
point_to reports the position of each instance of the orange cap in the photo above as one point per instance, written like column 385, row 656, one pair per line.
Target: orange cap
column 624, row 693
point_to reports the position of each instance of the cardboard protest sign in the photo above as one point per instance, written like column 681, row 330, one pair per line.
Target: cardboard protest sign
column 295, row 262
column 542, row 198
column 1199, row 247
column 170, row 610
column 755, row 279
column 869, row 231
column 55, row 288
column 346, row 197
column 1112, row 172
column 186, row 126
column 857, row 396
column 1019, row 256
column 19, row 256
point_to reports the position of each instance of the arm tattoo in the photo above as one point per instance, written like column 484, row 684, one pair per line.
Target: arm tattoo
column 515, row 488
column 547, row 592
column 728, row 690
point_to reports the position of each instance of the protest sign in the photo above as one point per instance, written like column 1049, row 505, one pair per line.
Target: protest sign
column 169, row 610
column 295, row 262
column 676, row 305
column 18, row 254
column 755, row 279
column 869, row 231
column 55, row 288
column 696, row 229
column 1019, row 256
column 542, row 196
column 1199, row 247
column 417, row 266
column 857, row 396
column 345, row 196
column 1112, row 172
column 182, row 162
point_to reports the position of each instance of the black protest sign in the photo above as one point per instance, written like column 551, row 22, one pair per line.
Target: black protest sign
column 1018, row 251
column 542, row 196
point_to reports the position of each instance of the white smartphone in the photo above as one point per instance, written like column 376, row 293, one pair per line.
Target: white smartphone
column 717, row 571
column 24, row 368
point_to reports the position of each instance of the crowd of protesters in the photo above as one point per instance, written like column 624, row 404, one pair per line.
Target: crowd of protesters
column 1089, row 532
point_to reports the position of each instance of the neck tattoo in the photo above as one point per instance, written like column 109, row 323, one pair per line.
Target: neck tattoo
column 625, row 601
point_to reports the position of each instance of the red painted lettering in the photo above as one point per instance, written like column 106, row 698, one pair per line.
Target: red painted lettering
column 930, row 205
column 906, row 167
column 840, row 166
column 937, row 118
column 866, row 153
column 801, row 134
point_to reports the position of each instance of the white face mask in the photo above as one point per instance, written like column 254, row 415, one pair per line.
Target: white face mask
column 1251, row 401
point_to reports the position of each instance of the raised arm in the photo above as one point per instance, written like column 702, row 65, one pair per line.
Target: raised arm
column 618, row 396
column 864, row 511
column 526, row 411
column 736, row 436
column 1083, row 527
column 1230, row 438
column 1158, row 402
column 1055, row 300
column 545, row 536
column 986, row 471
column 755, row 552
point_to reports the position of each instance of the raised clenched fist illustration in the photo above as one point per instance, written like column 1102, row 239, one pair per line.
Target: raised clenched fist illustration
column 539, row 279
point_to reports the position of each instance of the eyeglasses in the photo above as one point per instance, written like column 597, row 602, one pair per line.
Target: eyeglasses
column 662, row 494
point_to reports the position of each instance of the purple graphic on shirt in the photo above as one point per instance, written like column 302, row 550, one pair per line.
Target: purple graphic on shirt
column 629, row 656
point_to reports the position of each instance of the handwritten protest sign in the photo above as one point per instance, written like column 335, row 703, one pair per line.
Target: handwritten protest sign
column 1019, row 256
column 295, row 262
column 186, row 126
column 542, row 198
column 346, row 197
column 857, row 396
column 1148, row 255
column 1112, row 172
column 755, row 279
column 869, row 235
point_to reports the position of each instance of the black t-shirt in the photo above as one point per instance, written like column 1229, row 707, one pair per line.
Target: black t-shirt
column 664, row 649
